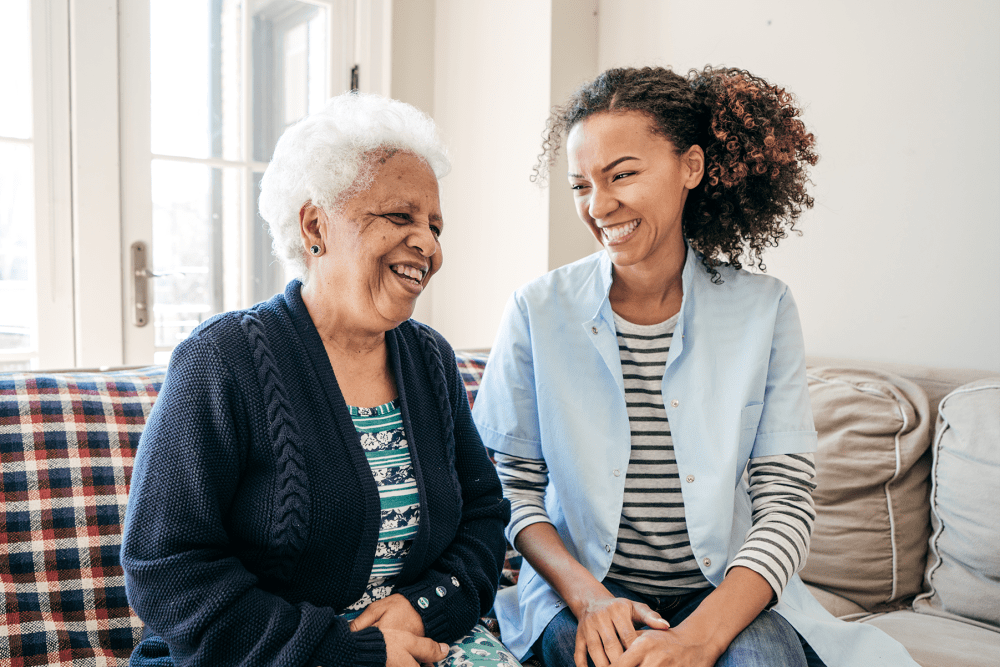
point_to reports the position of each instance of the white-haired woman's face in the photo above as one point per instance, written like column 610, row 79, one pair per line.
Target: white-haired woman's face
column 381, row 247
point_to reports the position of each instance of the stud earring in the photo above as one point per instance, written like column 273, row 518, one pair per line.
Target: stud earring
column 315, row 250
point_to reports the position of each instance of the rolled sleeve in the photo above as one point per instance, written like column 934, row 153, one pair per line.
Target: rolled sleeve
column 786, row 423
column 506, row 409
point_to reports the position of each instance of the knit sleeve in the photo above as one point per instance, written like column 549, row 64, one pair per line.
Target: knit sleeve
column 460, row 585
column 181, row 576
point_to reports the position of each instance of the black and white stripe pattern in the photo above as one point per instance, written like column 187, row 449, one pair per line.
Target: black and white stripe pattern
column 782, row 520
column 653, row 554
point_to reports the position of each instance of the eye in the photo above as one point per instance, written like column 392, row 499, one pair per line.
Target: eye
column 436, row 231
column 578, row 186
column 397, row 218
column 623, row 175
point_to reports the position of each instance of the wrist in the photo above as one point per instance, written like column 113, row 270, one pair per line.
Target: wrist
column 581, row 596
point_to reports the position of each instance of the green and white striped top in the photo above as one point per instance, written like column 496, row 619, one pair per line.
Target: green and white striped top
column 387, row 449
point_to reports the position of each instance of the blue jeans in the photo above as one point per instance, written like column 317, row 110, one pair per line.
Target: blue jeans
column 769, row 641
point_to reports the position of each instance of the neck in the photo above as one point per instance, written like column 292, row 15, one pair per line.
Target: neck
column 342, row 333
column 649, row 293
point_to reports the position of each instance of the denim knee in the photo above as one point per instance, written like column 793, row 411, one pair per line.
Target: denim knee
column 769, row 641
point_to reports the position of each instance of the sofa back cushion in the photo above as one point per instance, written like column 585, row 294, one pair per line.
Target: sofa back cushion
column 869, row 543
column 67, row 442
column 963, row 566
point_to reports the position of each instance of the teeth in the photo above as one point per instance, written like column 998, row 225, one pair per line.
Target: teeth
column 409, row 272
column 612, row 234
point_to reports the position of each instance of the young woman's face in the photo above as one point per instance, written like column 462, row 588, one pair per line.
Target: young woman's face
column 629, row 185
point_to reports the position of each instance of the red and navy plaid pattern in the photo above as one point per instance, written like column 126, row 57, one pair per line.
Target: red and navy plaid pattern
column 471, row 365
column 67, row 443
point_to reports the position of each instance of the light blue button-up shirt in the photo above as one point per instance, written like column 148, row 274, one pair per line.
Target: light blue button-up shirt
column 734, row 388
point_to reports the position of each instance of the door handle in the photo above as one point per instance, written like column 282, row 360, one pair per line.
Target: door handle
column 140, row 285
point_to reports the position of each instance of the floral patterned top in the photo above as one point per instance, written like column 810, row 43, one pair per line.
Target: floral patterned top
column 388, row 453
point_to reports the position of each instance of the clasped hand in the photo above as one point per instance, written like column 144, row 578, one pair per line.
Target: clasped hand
column 403, row 630
column 607, row 628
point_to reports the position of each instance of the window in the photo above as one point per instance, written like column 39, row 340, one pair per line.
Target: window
column 176, row 107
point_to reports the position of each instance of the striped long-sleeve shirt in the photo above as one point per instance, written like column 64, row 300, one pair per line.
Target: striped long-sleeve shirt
column 653, row 553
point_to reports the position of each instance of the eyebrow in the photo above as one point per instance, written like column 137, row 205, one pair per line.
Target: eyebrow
column 610, row 166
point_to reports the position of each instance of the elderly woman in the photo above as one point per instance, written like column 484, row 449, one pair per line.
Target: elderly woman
column 310, row 488
column 628, row 393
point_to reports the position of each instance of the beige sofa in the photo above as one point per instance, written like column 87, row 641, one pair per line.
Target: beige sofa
column 907, row 536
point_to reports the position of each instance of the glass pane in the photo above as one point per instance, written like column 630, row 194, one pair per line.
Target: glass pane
column 15, row 75
column 290, row 44
column 196, row 78
column 17, row 249
column 191, row 204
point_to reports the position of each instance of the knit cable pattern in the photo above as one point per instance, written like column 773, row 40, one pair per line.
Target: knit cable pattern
column 435, row 366
column 292, row 503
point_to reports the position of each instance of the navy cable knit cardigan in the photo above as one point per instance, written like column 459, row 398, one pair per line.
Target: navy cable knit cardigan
column 253, row 514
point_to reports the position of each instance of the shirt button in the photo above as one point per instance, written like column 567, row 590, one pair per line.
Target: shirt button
column 607, row 547
column 441, row 591
column 674, row 403
column 707, row 562
column 617, row 473
column 423, row 603
column 594, row 330
column 689, row 478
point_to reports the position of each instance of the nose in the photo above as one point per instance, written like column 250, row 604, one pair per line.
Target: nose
column 601, row 203
column 423, row 240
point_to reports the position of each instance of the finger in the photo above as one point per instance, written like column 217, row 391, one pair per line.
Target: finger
column 626, row 631
column 366, row 619
column 580, row 652
column 594, row 642
column 427, row 650
column 642, row 614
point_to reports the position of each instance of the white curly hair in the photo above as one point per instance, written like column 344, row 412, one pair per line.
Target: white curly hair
column 329, row 156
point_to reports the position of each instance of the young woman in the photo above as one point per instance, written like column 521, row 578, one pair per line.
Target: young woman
column 627, row 393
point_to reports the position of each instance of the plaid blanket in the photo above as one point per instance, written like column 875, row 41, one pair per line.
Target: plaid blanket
column 67, row 442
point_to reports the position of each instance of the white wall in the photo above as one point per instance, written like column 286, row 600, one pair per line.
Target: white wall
column 488, row 73
column 898, row 261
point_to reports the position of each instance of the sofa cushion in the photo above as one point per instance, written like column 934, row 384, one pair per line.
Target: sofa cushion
column 67, row 442
column 869, row 542
column 939, row 642
column 963, row 566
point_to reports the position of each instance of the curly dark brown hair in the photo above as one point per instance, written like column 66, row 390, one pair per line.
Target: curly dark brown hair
column 757, row 151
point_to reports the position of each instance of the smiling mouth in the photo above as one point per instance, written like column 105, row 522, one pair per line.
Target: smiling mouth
column 616, row 233
column 410, row 273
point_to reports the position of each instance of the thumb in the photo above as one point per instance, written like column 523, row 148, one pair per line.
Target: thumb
column 365, row 620
column 427, row 650
column 641, row 614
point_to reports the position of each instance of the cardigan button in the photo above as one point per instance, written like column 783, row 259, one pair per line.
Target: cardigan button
column 423, row 602
column 441, row 591
column 674, row 403
column 617, row 472
column 689, row 478
column 607, row 547
column 707, row 562
column 454, row 582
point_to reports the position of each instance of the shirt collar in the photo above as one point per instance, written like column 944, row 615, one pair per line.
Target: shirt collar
column 605, row 277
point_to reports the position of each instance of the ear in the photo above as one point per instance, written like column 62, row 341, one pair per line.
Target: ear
column 311, row 221
column 693, row 161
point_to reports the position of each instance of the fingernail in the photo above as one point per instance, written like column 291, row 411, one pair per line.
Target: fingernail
column 444, row 647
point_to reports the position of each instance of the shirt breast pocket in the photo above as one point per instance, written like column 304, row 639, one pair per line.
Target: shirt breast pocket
column 749, row 420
